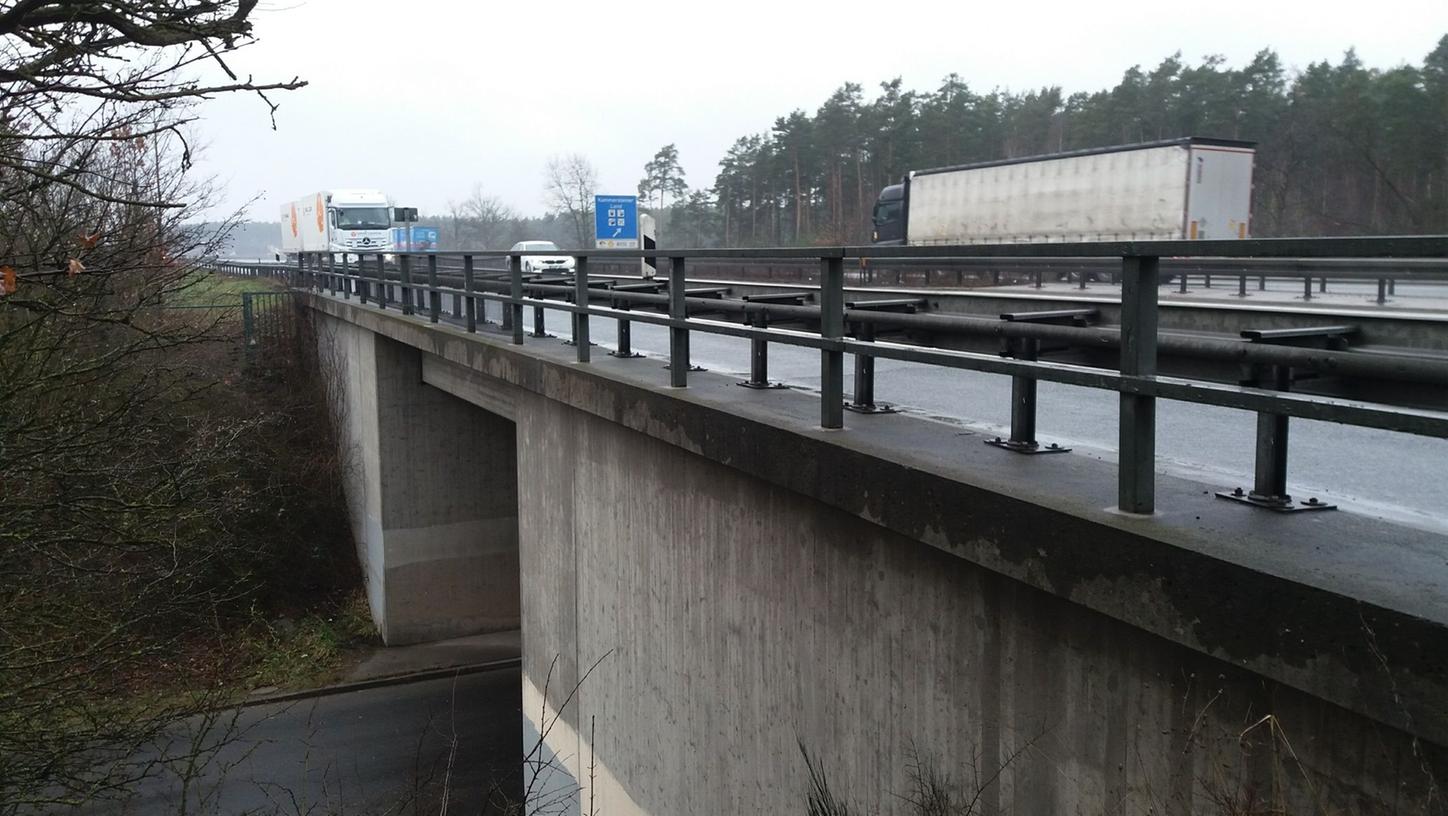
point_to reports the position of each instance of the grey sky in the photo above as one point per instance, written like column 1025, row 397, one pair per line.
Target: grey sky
column 424, row 98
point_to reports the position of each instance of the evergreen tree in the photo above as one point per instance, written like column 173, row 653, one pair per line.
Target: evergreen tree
column 663, row 177
column 1341, row 148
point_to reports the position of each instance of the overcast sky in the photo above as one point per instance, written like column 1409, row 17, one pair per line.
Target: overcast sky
column 425, row 98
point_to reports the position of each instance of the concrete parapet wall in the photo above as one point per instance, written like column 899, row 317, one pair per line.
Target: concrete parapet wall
column 735, row 621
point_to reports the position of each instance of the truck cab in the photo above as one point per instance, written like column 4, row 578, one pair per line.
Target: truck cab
column 889, row 216
column 358, row 221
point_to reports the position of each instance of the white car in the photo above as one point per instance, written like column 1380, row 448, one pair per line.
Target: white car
column 542, row 263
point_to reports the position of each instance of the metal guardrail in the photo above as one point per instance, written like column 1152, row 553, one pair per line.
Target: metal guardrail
column 370, row 280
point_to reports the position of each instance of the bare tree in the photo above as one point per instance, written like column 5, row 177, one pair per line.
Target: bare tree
column 126, row 504
column 78, row 78
column 489, row 216
column 570, row 183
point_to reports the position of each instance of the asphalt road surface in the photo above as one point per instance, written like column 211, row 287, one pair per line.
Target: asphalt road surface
column 395, row 749
column 1396, row 476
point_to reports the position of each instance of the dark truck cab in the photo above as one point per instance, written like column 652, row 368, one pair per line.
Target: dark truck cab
column 889, row 216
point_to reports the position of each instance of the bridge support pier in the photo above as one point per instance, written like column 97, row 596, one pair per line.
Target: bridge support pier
column 439, row 552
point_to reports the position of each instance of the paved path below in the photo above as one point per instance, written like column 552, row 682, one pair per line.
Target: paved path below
column 392, row 749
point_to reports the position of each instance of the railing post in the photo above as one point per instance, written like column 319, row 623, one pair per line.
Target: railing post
column 625, row 333
column 1322, row 284
column 514, row 313
column 1183, row 284
column 332, row 273
column 1382, row 291
column 346, row 278
column 864, row 396
column 248, row 322
column 759, row 354
column 382, row 293
column 832, row 327
column 1023, row 406
column 1023, row 399
column 1242, row 285
column 469, row 300
column 1270, row 476
column 1136, row 473
column 1307, row 287
column 580, row 300
column 404, row 270
column 678, row 335
column 363, row 286
column 434, row 297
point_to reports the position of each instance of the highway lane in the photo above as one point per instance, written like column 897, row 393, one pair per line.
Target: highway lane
column 1369, row 471
column 1408, row 296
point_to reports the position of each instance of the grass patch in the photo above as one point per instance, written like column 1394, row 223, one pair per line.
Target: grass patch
column 212, row 289
column 312, row 651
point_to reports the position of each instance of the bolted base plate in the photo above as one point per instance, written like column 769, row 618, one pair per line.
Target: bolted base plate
column 628, row 356
column 1283, row 504
column 571, row 343
column 544, row 334
column 871, row 408
column 691, row 367
column 1025, row 447
column 761, row 386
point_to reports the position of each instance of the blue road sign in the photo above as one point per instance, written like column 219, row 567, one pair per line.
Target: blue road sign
column 616, row 222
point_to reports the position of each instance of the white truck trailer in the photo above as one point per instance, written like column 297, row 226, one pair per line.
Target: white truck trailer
column 1189, row 188
column 353, row 221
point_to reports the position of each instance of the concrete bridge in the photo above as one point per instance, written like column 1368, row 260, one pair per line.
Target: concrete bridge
column 710, row 578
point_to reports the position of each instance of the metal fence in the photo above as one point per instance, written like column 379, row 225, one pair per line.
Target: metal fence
column 411, row 283
column 268, row 321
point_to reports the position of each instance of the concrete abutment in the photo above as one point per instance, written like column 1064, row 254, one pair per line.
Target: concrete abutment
column 432, row 489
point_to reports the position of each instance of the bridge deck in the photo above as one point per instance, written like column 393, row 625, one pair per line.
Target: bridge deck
column 1199, row 572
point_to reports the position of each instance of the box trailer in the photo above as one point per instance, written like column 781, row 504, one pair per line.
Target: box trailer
column 1189, row 188
column 339, row 221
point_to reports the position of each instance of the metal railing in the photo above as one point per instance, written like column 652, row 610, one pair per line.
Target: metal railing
column 372, row 280
column 267, row 321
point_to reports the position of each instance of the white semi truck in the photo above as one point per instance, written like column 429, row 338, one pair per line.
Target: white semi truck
column 1189, row 188
column 351, row 221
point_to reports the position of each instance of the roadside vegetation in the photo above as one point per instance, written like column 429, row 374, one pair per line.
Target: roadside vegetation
column 172, row 533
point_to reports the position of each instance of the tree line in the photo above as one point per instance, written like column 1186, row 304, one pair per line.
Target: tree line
column 1342, row 149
